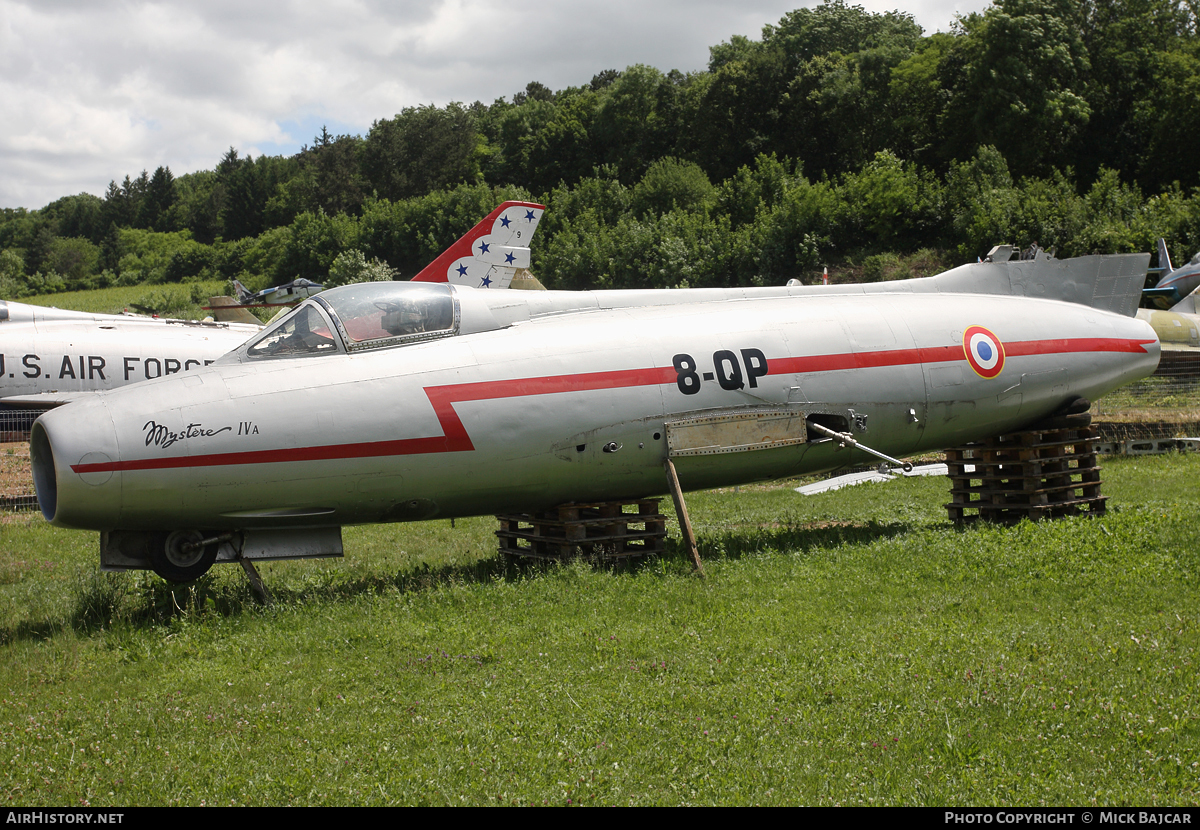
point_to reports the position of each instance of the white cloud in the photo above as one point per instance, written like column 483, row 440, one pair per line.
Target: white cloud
column 97, row 89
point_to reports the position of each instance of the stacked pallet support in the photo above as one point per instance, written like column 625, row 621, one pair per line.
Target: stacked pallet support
column 601, row 531
column 1039, row 474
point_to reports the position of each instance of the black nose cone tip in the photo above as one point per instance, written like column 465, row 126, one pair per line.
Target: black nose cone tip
column 41, row 458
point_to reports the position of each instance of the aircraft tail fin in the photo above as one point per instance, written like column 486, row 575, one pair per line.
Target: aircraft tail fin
column 1110, row 282
column 1164, row 257
column 243, row 293
column 490, row 254
column 223, row 314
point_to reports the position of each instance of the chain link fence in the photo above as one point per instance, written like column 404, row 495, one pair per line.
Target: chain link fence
column 1164, row 405
column 16, row 481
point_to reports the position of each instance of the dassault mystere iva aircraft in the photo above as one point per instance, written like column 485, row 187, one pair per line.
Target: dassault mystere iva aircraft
column 384, row 402
column 49, row 356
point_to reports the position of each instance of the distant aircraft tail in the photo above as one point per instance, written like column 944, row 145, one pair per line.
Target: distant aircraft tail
column 244, row 293
column 1162, row 295
column 488, row 255
column 222, row 314
column 1164, row 258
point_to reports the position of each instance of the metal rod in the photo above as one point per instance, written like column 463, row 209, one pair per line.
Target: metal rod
column 256, row 584
column 847, row 441
column 203, row 543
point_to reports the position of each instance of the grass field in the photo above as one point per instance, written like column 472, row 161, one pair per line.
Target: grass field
column 184, row 301
column 848, row 648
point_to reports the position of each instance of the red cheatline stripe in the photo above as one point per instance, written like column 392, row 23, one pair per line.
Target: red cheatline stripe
column 454, row 437
column 370, row 449
column 863, row 360
column 1083, row 344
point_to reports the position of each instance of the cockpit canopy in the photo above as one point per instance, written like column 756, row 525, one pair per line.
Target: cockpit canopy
column 370, row 315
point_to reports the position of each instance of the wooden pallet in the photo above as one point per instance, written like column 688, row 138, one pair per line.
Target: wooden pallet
column 603, row 531
column 1040, row 474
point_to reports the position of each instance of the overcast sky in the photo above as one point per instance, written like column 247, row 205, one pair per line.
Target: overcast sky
column 92, row 90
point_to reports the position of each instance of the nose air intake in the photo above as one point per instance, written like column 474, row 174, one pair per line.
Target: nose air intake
column 41, row 457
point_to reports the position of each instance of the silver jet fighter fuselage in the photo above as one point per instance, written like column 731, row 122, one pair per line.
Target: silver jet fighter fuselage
column 377, row 403
column 48, row 355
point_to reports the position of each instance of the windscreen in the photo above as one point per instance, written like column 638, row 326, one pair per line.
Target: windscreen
column 377, row 314
column 303, row 332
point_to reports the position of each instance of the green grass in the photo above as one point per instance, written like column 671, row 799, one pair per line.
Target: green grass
column 170, row 300
column 847, row 648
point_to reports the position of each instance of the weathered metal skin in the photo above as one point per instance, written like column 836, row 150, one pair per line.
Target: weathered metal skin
column 1177, row 330
column 566, row 407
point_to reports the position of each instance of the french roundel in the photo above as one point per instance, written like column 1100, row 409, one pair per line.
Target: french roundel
column 984, row 351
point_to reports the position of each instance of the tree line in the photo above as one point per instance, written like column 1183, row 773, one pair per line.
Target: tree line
column 839, row 136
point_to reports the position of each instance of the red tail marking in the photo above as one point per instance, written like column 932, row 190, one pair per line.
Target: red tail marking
column 436, row 270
